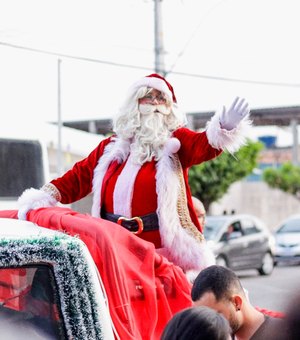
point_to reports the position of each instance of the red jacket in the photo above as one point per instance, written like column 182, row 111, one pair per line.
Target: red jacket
column 77, row 182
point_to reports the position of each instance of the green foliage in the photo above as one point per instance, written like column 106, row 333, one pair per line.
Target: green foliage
column 286, row 178
column 209, row 181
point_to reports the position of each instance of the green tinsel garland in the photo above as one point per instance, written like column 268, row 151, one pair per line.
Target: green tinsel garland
column 64, row 254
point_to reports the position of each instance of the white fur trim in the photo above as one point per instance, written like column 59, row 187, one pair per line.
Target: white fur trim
column 124, row 188
column 34, row 199
column 172, row 146
column 179, row 246
column 230, row 140
column 155, row 83
column 117, row 150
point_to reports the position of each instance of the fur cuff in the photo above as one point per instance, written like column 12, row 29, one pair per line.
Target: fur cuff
column 33, row 199
column 229, row 140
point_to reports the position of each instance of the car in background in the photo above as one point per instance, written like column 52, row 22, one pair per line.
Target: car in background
column 287, row 240
column 241, row 242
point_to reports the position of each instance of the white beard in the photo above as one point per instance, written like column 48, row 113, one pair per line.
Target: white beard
column 150, row 137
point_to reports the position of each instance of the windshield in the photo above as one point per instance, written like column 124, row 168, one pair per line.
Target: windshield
column 28, row 304
column 292, row 226
column 212, row 227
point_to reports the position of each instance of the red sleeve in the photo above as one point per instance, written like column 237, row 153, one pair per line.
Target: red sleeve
column 194, row 148
column 77, row 182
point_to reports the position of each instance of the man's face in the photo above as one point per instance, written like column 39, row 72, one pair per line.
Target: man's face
column 155, row 97
column 224, row 306
column 155, row 101
column 200, row 214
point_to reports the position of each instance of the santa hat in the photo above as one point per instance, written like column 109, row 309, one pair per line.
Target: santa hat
column 157, row 82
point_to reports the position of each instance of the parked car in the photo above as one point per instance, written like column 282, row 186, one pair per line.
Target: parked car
column 287, row 240
column 241, row 242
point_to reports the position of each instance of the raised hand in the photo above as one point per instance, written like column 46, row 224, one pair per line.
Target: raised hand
column 229, row 119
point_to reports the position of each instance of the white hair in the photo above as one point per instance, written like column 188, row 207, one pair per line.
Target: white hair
column 146, row 133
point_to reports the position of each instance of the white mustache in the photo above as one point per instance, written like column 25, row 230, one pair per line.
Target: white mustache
column 146, row 109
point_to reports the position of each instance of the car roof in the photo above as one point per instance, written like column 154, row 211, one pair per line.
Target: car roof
column 287, row 219
column 293, row 217
column 231, row 217
column 14, row 228
column 228, row 219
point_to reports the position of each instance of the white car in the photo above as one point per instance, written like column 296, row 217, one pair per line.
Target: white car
column 49, row 286
column 287, row 238
column 240, row 241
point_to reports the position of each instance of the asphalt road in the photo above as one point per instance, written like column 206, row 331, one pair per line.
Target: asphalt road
column 272, row 292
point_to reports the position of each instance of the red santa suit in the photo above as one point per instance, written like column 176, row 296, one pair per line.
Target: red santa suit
column 83, row 177
column 122, row 187
column 140, row 189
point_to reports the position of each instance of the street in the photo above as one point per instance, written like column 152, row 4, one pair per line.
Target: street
column 272, row 292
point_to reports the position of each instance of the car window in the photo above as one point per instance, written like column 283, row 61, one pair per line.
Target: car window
column 212, row 227
column 233, row 228
column 249, row 226
column 236, row 226
column 28, row 302
column 291, row 226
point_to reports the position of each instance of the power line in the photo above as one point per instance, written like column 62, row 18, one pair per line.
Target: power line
column 68, row 56
column 203, row 76
column 238, row 80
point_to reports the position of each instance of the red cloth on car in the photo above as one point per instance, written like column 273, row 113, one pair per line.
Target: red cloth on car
column 144, row 289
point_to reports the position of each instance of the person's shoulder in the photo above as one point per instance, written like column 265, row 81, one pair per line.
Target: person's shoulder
column 182, row 131
column 109, row 139
column 99, row 149
column 268, row 328
column 273, row 320
column 105, row 141
column 276, row 328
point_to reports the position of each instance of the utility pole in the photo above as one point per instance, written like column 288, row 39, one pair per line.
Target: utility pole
column 294, row 126
column 59, row 166
column 158, row 38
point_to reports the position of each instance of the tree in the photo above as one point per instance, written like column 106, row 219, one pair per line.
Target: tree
column 209, row 181
column 285, row 178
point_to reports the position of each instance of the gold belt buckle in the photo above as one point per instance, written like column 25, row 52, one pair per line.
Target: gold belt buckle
column 138, row 220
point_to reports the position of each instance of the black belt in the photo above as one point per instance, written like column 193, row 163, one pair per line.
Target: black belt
column 136, row 224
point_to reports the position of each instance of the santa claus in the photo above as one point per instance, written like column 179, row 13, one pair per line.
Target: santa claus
column 139, row 176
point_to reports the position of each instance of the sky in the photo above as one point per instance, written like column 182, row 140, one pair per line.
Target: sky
column 253, row 42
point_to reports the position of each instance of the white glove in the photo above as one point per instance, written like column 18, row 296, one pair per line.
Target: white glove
column 229, row 119
column 34, row 199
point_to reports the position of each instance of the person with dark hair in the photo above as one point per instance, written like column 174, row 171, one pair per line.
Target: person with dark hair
column 219, row 288
column 197, row 323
